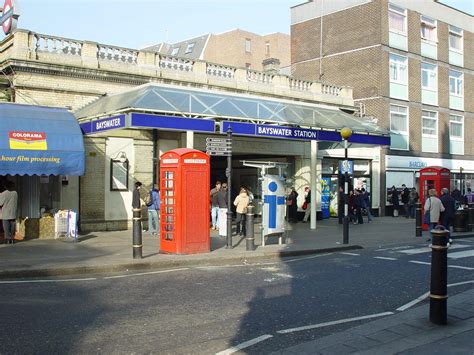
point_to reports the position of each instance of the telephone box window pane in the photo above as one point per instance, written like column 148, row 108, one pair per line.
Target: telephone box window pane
column 169, row 210
column 169, row 193
column 169, row 236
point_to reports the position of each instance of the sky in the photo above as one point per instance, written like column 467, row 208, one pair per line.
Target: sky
column 140, row 23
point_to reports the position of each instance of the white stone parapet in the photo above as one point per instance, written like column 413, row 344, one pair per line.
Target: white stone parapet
column 53, row 50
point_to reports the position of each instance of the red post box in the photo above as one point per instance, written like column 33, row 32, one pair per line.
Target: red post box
column 432, row 177
column 184, row 210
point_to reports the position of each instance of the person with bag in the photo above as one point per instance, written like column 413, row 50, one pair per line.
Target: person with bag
column 307, row 204
column 291, row 205
column 9, row 204
column 433, row 208
column 241, row 202
column 153, row 204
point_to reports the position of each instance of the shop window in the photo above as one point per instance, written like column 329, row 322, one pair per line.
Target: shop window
column 429, row 141
column 399, row 127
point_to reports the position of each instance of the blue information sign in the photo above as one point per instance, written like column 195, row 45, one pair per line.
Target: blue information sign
column 346, row 166
column 325, row 196
column 104, row 124
column 172, row 122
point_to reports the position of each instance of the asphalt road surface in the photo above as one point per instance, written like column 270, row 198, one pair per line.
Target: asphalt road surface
column 257, row 308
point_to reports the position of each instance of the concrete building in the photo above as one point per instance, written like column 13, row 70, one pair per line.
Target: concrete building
column 411, row 64
column 237, row 48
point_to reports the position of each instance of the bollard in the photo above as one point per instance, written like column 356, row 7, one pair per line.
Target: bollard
column 418, row 221
column 439, row 276
column 137, row 245
column 250, row 239
column 470, row 225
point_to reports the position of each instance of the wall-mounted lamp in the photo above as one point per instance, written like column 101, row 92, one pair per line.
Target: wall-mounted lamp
column 121, row 156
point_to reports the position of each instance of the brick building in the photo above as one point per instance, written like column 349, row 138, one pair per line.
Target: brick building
column 243, row 49
column 411, row 66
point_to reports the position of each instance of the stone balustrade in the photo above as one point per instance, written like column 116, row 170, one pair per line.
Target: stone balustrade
column 25, row 45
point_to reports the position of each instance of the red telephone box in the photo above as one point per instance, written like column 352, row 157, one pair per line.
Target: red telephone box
column 184, row 208
column 433, row 177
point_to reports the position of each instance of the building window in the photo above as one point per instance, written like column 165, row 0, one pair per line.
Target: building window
column 455, row 83
column 399, row 127
column 398, row 69
column 189, row 48
column 430, row 123
column 456, row 134
column 267, row 49
column 175, row 51
column 429, row 76
column 428, row 29
column 397, row 18
column 455, row 38
column 248, row 45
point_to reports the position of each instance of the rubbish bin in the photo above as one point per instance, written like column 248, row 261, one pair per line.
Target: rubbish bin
column 460, row 220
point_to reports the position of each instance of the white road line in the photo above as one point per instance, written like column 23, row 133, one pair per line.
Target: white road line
column 419, row 262
column 145, row 273
column 461, row 254
column 428, row 249
column 461, row 283
column 305, row 258
column 354, row 254
column 461, row 267
column 46, row 281
column 412, row 303
column 321, row 325
column 384, row 258
column 245, row 345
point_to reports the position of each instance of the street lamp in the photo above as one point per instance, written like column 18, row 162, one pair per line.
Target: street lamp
column 346, row 133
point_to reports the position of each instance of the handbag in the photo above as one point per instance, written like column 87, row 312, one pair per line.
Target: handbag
column 427, row 216
column 305, row 205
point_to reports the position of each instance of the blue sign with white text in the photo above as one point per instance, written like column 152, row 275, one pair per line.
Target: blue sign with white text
column 346, row 166
column 104, row 124
column 325, row 196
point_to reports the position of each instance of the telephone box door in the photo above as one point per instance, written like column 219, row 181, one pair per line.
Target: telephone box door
column 168, row 209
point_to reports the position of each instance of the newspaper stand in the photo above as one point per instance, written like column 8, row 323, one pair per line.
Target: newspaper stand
column 184, row 205
column 65, row 224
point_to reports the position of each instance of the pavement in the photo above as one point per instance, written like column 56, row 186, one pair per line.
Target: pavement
column 406, row 332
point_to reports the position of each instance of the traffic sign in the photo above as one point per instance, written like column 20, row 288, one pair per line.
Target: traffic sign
column 219, row 146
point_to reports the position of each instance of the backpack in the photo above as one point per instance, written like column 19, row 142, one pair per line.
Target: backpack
column 149, row 199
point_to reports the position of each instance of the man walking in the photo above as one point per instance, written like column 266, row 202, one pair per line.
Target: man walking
column 434, row 207
column 449, row 204
column 9, row 203
column 412, row 200
column 366, row 204
column 154, row 212
column 405, row 200
column 215, row 205
column 222, row 213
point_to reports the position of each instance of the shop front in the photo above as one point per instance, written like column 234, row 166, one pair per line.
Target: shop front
column 42, row 153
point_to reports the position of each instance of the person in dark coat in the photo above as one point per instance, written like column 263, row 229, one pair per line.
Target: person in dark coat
column 405, row 200
column 449, row 204
column 136, row 195
column 292, row 207
column 394, row 199
column 358, row 205
column 456, row 194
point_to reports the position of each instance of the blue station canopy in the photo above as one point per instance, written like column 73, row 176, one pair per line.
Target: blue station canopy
column 38, row 140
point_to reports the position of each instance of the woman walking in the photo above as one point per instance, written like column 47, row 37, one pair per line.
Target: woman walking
column 241, row 202
column 434, row 207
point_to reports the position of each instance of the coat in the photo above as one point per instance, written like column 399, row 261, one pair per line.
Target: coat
column 434, row 205
column 9, row 202
column 241, row 202
column 222, row 198
column 449, row 205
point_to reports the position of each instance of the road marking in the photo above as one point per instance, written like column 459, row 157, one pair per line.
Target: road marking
column 461, row 267
column 46, row 281
column 354, row 254
column 461, row 283
column 461, row 254
column 419, row 262
column 145, row 273
column 321, row 325
column 306, row 258
column 384, row 258
column 412, row 303
column 428, row 249
column 245, row 345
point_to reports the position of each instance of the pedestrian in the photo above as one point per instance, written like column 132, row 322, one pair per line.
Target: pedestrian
column 449, row 204
column 154, row 211
column 307, row 203
column 215, row 205
column 9, row 204
column 405, row 199
column 223, row 208
column 241, row 203
column 434, row 206
column 351, row 212
column 358, row 205
column 394, row 199
column 341, row 200
column 412, row 200
column 292, row 207
column 457, row 195
column 469, row 198
column 367, row 204
column 136, row 195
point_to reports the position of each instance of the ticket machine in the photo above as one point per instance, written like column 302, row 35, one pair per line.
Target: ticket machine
column 433, row 177
column 184, row 209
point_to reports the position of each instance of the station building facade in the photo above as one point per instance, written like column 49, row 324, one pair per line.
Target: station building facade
column 411, row 66
column 135, row 105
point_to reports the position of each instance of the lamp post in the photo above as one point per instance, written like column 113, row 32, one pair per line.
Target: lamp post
column 346, row 133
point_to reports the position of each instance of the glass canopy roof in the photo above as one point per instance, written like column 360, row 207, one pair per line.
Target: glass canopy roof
column 190, row 102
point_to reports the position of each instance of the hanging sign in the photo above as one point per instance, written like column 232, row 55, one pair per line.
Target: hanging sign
column 9, row 16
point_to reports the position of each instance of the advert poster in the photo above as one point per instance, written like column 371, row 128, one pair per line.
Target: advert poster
column 325, row 196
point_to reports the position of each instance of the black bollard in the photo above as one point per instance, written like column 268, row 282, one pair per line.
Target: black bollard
column 137, row 245
column 470, row 225
column 418, row 221
column 250, row 239
column 439, row 276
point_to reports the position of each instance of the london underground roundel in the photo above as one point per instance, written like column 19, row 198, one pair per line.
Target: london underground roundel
column 8, row 21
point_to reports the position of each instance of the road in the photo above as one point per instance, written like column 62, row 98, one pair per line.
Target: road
column 260, row 307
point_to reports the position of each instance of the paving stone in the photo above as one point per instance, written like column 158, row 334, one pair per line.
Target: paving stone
column 362, row 343
column 337, row 349
column 460, row 313
column 384, row 336
column 404, row 329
